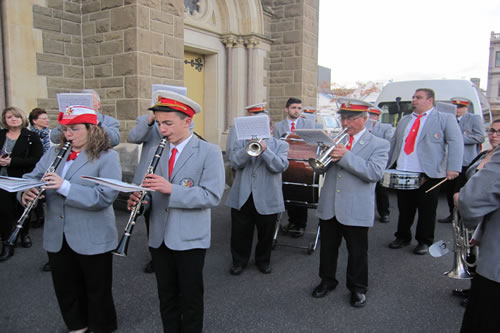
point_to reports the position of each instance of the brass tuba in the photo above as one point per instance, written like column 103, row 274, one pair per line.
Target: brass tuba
column 463, row 249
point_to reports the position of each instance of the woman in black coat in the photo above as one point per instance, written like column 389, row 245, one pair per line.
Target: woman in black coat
column 20, row 150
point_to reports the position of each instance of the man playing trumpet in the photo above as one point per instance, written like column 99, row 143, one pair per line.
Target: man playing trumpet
column 349, row 183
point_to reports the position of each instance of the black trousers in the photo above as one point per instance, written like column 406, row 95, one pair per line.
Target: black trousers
column 411, row 201
column 10, row 212
column 243, row 222
column 382, row 199
column 449, row 188
column 83, row 286
column 179, row 277
column 482, row 314
column 356, row 239
column 297, row 215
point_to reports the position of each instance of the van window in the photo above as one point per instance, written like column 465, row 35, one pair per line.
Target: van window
column 394, row 111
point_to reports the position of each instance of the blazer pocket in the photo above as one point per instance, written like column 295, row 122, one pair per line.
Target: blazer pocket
column 196, row 227
column 100, row 232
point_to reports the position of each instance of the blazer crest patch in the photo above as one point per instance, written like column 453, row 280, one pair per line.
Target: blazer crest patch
column 187, row 182
column 437, row 136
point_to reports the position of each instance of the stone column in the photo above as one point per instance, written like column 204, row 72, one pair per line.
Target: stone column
column 229, row 42
column 251, row 44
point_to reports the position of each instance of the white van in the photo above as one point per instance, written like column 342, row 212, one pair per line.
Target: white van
column 395, row 98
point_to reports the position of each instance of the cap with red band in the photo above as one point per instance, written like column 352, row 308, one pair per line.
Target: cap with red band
column 375, row 110
column 257, row 108
column 353, row 105
column 77, row 114
column 309, row 109
column 168, row 101
column 460, row 101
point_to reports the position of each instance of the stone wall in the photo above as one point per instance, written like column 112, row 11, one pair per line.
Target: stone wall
column 294, row 52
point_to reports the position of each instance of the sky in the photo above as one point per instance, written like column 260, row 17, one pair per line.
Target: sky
column 367, row 40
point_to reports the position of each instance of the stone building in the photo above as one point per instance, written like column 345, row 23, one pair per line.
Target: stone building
column 493, row 89
column 228, row 53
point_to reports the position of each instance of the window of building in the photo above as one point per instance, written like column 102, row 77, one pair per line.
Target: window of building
column 497, row 59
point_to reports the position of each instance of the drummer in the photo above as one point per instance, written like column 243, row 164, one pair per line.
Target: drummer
column 256, row 199
column 297, row 215
column 346, row 205
column 384, row 131
column 420, row 145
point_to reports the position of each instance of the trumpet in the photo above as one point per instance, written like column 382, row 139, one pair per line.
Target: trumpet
column 320, row 164
column 254, row 147
column 32, row 204
column 122, row 248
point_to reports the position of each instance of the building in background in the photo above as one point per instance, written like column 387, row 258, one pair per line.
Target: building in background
column 228, row 53
column 493, row 88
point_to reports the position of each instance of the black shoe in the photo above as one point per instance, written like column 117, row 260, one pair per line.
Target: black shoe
column 291, row 227
column 421, row 249
column 47, row 267
column 236, row 270
column 446, row 219
column 26, row 241
column 358, row 300
column 322, row 290
column 464, row 302
column 7, row 252
column 266, row 269
column 399, row 243
column 460, row 292
column 384, row 219
column 299, row 232
column 149, row 267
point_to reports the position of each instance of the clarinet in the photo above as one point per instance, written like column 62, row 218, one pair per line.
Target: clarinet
column 122, row 247
column 32, row 204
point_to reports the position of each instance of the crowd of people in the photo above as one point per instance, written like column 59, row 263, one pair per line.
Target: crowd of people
column 79, row 222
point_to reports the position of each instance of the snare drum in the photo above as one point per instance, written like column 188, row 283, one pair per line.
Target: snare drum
column 401, row 180
column 300, row 181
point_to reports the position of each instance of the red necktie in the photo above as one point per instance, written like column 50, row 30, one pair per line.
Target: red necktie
column 349, row 145
column 171, row 162
column 293, row 127
column 73, row 155
column 412, row 136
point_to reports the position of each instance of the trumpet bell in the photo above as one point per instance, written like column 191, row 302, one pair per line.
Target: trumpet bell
column 317, row 165
column 254, row 148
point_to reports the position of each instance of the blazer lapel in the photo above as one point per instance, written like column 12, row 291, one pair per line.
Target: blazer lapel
column 185, row 155
column 80, row 161
column 364, row 140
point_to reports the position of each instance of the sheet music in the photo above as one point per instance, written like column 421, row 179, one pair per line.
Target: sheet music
column 254, row 127
column 70, row 99
column 115, row 184
column 314, row 136
column 177, row 89
column 14, row 184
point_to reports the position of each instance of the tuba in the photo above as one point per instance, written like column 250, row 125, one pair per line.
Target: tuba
column 32, row 204
column 121, row 249
column 320, row 164
column 463, row 250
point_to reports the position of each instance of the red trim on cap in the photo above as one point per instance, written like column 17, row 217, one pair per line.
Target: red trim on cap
column 86, row 118
column 257, row 109
column 460, row 102
column 308, row 110
column 353, row 107
column 374, row 111
column 176, row 105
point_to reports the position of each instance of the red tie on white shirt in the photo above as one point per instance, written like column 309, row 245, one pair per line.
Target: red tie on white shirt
column 293, row 127
column 73, row 155
column 412, row 136
column 349, row 145
column 171, row 162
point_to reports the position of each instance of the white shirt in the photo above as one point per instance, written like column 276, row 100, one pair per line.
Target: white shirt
column 290, row 123
column 66, row 185
column 411, row 162
column 179, row 148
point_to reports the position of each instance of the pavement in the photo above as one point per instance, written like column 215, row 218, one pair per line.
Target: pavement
column 407, row 293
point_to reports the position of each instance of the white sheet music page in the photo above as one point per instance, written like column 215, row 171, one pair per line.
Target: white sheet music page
column 254, row 127
column 314, row 136
column 72, row 99
column 115, row 184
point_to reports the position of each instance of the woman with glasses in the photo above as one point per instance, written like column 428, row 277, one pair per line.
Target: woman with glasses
column 80, row 230
column 20, row 150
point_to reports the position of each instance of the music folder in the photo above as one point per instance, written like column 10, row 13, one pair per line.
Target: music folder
column 314, row 136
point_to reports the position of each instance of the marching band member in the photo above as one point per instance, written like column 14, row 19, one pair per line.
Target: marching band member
column 80, row 230
column 350, row 182
column 428, row 142
column 256, row 199
column 479, row 200
column 188, row 181
column 297, row 215
column 472, row 129
column 383, row 131
column 20, row 151
column 109, row 124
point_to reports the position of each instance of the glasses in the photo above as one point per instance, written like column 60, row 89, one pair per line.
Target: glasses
column 492, row 131
column 71, row 129
column 347, row 118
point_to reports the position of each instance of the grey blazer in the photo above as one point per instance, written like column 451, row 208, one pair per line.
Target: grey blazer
column 472, row 129
column 230, row 142
column 110, row 125
column 150, row 137
column 181, row 220
column 383, row 131
column 348, row 192
column 480, row 197
column 439, row 135
column 85, row 217
column 259, row 176
column 281, row 127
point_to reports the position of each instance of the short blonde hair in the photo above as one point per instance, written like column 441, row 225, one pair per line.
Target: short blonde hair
column 16, row 112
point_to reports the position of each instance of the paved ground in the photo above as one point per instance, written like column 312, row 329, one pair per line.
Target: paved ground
column 407, row 293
